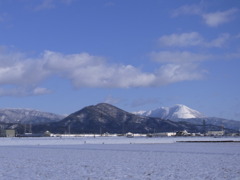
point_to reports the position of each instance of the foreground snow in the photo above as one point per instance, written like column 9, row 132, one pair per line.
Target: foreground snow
column 117, row 158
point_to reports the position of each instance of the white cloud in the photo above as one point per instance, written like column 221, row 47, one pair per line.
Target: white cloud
column 15, row 69
column 220, row 17
column 178, row 57
column 212, row 19
column 92, row 71
column 83, row 70
column 192, row 39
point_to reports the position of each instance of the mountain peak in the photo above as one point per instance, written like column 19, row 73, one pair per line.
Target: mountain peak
column 178, row 111
column 105, row 105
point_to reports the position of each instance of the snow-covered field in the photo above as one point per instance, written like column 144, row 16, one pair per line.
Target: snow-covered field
column 118, row 158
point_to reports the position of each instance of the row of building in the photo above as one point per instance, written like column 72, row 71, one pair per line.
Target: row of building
column 7, row 133
column 12, row 133
column 185, row 133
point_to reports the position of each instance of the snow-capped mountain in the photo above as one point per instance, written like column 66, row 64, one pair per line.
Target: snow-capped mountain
column 183, row 113
column 178, row 111
column 27, row 116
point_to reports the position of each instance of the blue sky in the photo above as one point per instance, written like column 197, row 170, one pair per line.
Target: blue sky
column 62, row 55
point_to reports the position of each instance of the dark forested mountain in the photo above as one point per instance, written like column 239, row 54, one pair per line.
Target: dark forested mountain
column 103, row 118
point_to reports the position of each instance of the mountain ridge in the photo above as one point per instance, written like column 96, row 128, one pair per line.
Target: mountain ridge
column 27, row 116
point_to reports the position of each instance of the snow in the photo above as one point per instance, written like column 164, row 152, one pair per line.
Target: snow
column 185, row 112
column 118, row 158
column 172, row 113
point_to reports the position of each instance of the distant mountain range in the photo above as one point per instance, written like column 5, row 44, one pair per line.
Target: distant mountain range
column 183, row 113
column 102, row 118
column 27, row 116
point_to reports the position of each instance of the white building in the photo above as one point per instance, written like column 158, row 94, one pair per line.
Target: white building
column 165, row 134
column 215, row 133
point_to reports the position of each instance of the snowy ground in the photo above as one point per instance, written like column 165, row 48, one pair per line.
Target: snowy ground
column 118, row 158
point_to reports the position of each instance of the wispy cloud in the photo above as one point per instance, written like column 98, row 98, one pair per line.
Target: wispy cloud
column 233, row 55
column 182, row 40
column 237, row 36
column 23, row 91
column 45, row 4
column 178, row 57
column 109, row 4
column 50, row 4
column 188, row 10
column 67, row 1
column 192, row 39
column 144, row 101
column 212, row 19
column 111, row 100
column 220, row 41
column 3, row 17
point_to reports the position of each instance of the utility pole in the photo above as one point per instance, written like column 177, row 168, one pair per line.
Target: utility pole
column 30, row 128
column 204, row 126
column 1, row 130
column 25, row 128
column 123, row 128
column 69, row 129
